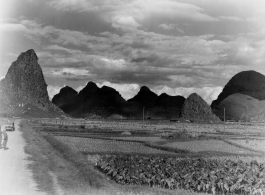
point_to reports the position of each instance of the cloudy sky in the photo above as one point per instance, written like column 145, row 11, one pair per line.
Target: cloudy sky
column 172, row 46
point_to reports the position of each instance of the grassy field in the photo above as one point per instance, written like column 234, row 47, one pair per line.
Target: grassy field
column 93, row 139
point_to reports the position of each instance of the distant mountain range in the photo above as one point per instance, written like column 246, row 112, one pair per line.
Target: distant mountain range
column 242, row 98
column 106, row 101
column 24, row 93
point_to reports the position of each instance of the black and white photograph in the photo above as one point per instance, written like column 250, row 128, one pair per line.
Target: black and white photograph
column 132, row 97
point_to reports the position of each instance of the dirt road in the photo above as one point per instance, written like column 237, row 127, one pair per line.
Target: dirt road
column 15, row 177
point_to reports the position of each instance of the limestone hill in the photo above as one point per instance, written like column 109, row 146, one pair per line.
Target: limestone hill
column 92, row 100
column 66, row 93
column 197, row 110
column 24, row 89
column 242, row 107
column 249, row 83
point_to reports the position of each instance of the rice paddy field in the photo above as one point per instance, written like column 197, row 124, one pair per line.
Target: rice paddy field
column 163, row 125
column 255, row 144
column 94, row 136
column 91, row 145
column 241, row 146
column 208, row 145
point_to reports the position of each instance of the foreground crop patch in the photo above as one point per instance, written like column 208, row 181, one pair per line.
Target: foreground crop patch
column 198, row 175
column 91, row 145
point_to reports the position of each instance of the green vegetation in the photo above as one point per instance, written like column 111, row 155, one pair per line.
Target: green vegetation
column 198, row 175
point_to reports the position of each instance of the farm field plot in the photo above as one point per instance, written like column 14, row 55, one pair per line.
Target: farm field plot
column 91, row 145
column 222, row 129
column 207, row 145
column 255, row 144
column 236, row 158
column 243, row 128
column 112, row 125
column 159, row 155
column 137, row 138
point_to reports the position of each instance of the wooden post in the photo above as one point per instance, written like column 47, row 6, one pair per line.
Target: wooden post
column 143, row 114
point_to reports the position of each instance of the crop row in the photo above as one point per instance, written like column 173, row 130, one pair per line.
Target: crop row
column 198, row 175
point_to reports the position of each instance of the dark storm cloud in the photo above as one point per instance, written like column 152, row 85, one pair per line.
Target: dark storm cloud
column 111, row 55
column 162, row 43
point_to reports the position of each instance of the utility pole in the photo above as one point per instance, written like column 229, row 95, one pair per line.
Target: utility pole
column 224, row 114
column 143, row 114
column 224, row 118
column 247, row 113
column 246, row 121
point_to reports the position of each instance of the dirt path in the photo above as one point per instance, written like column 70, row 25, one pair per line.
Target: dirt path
column 16, row 178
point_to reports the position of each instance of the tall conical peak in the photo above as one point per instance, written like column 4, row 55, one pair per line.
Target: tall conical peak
column 24, row 83
column 28, row 55
column 196, row 109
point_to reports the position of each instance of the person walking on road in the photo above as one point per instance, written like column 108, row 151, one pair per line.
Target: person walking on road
column 4, row 137
column 0, row 138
